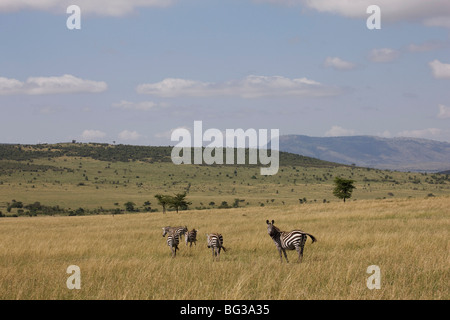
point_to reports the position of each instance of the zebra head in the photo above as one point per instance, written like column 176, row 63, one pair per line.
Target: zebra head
column 165, row 231
column 271, row 229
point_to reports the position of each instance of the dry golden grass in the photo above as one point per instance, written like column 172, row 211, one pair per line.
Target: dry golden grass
column 126, row 257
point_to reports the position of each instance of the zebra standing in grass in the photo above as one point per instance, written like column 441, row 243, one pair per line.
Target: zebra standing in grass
column 291, row 240
column 173, row 240
column 180, row 231
column 215, row 242
column 191, row 237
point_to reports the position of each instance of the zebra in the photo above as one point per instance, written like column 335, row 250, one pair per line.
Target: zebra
column 215, row 242
column 191, row 237
column 178, row 230
column 291, row 240
column 173, row 240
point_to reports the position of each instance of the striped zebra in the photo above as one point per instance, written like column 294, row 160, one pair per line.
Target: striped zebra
column 215, row 242
column 191, row 237
column 180, row 231
column 292, row 240
column 173, row 240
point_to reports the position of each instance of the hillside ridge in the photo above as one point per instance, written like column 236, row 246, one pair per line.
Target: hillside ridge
column 402, row 153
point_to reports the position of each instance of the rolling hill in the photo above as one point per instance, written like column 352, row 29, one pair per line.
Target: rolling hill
column 404, row 154
column 80, row 179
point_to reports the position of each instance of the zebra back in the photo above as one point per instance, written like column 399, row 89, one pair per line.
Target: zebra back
column 291, row 240
column 173, row 239
column 178, row 230
column 215, row 240
column 191, row 236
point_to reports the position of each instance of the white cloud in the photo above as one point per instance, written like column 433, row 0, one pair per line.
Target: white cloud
column 92, row 134
column 444, row 112
column 129, row 135
column 429, row 13
column 385, row 134
column 98, row 7
column 426, row 46
column 168, row 134
column 143, row 105
column 49, row 110
column 338, row 63
column 10, row 86
column 50, row 85
column 422, row 133
column 337, row 131
column 383, row 55
column 440, row 70
column 249, row 87
column 428, row 133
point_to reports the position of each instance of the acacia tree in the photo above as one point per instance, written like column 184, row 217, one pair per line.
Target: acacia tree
column 163, row 200
column 129, row 206
column 179, row 202
column 343, row 188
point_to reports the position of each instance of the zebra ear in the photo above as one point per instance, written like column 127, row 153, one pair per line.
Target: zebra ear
column 273, row 221
column 267, row 221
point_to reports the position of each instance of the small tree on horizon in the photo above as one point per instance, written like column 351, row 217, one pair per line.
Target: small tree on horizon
column 179, row 202
column 129, row 206
column 343, row 188
column 163, row 200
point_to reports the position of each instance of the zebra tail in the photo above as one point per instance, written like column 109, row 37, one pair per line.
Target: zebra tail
column 224, row 250
column 312, row 237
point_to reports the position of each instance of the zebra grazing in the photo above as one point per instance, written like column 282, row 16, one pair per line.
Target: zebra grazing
column 291, row 240
column 178, row 230
column 173, row 240
column 191, row 237
column 215, row 242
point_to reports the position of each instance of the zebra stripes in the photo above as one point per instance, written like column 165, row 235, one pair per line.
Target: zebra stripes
column 191, row 237
column 173, row 240
column 215, row 242
column 180, row 231
column 292, row 240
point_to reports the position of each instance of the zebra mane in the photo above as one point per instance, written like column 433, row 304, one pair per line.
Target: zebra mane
column 277, row 229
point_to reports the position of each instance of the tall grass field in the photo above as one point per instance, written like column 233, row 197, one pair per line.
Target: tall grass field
column 126, row 257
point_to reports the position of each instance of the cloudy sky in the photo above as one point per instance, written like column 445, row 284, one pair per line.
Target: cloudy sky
column 138, row 69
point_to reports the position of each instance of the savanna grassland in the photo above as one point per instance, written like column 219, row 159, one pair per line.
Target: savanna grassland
column 126, row 257
column 398, row 221
column 104, row 177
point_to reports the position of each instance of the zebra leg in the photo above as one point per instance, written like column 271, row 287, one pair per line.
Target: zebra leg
column 302, row 246
column 285, row 255
column 281, row 257
column 300, row 253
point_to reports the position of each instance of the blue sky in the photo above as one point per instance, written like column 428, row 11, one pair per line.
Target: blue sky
column 137, row 69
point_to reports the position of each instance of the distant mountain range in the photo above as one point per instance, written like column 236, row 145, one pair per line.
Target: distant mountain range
column 403, row 154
